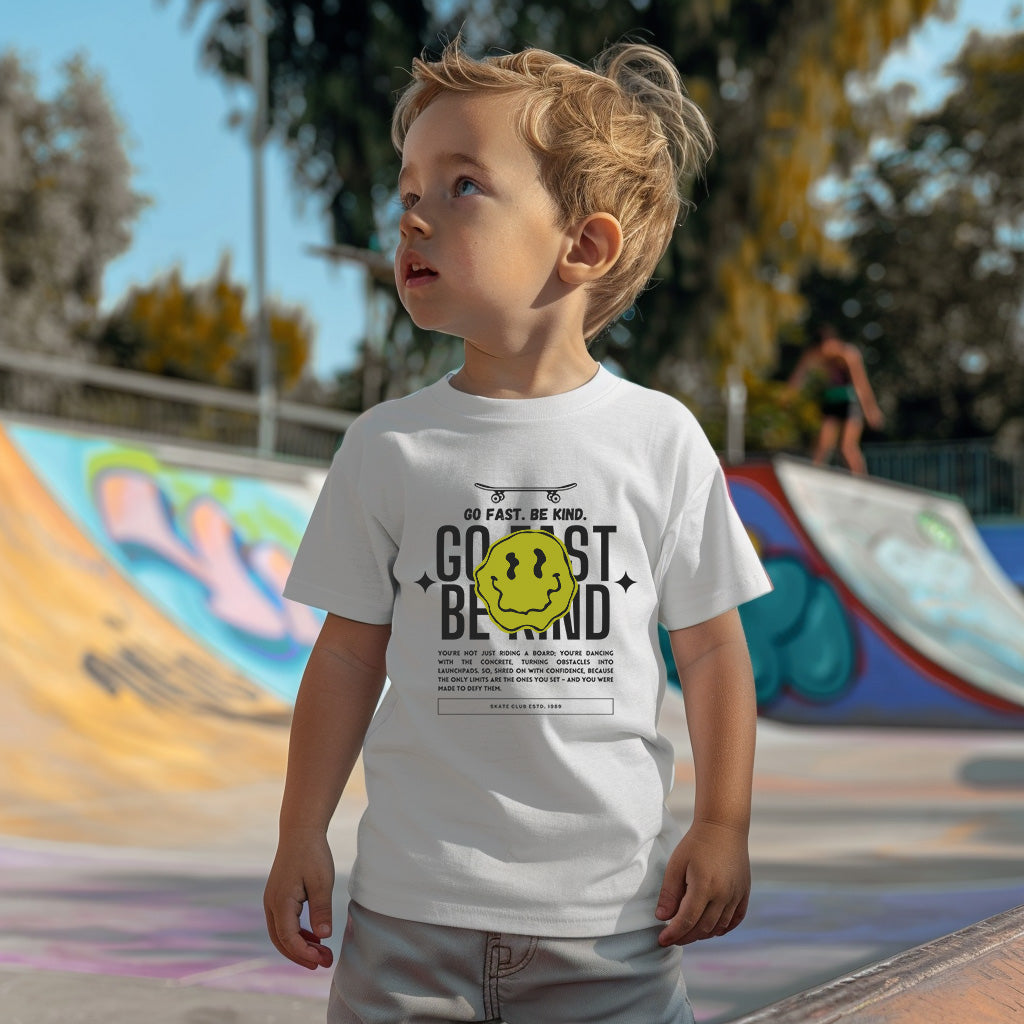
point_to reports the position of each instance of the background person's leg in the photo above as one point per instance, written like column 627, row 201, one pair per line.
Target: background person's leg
column 849, row 446
column 828, row 436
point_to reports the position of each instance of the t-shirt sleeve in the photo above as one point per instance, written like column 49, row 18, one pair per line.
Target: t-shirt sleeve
column 345, row 559
column 708, row 564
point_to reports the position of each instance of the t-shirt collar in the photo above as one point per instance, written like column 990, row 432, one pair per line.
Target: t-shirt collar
column 522, row 409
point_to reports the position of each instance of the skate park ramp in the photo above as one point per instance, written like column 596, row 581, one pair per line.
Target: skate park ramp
column 149, row 663
column 147, row 657
column 888, row 607
column 973, row 974
column 1005, row 539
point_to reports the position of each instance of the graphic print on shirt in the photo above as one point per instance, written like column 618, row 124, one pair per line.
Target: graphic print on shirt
column 526, row 581
column 498, row 493
column 525, row 598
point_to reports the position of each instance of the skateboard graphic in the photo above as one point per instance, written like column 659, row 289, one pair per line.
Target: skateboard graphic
column 498, row 493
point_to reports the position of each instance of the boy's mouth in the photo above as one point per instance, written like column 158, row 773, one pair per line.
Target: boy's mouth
column 415, row 272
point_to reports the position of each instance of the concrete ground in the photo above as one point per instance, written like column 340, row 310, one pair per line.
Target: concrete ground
column 865, row 843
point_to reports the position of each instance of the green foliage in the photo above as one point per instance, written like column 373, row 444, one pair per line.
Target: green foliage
column 937, row 228
column 200, row 332
column 771, row 74
column 772, row 77
column 778, row 418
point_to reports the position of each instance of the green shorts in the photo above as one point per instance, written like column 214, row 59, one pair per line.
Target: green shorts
column 840, row 403
column 392, row 971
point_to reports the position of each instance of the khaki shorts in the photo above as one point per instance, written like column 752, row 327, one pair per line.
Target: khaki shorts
column 392, row 971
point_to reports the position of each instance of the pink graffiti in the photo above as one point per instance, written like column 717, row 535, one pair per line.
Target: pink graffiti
column 243, row 583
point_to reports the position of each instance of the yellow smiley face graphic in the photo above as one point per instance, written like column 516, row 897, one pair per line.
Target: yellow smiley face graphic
column 526, row 581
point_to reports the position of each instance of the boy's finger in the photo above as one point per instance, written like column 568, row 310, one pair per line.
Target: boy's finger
column 272, row 931
column 286, row 935
column 320, row 916
column 320, row 953
column 693, row 922
column 667, row 906
column 672, row 890
column 306, row 952
column 725, row 922
column 281, row 940
column 685, row 917
column 739, row 913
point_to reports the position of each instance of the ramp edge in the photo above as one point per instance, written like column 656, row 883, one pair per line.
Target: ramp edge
column 844, row 997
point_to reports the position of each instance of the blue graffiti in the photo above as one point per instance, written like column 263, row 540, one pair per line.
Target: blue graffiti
column 799, row 636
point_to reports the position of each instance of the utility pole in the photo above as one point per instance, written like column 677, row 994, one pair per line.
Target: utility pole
column 257, row 52
column 735, row 414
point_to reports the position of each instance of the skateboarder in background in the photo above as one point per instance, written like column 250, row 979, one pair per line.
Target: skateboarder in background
column 844, row 394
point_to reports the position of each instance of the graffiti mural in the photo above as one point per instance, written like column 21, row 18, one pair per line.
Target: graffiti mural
column 241, row 581
column 915, row 560
column 799, row 635
column 212, row 550
column 887, row 607
column 113, row 713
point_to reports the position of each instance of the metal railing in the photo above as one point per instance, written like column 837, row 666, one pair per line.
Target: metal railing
column 59, row 388
column 990, row 484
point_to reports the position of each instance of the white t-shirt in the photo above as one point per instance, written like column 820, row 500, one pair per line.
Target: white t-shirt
column 515, row 773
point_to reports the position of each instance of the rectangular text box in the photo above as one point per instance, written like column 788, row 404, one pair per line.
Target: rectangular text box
column 526, row 705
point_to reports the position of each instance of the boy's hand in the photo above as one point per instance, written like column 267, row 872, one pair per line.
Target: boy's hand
column 303, row 872
column 707, row 884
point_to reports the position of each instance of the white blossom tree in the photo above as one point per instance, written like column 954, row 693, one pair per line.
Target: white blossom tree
column 66, row 205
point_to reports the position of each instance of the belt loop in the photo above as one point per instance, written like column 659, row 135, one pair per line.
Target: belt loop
column 492, row 969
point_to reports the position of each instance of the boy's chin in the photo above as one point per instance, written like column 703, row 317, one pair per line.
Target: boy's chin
column 426, row 323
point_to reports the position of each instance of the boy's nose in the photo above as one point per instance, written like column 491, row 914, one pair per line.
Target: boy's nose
column 413, row 223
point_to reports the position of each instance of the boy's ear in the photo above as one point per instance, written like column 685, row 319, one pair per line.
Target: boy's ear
column 596, row 245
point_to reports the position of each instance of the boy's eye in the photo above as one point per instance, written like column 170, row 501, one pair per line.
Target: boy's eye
column 407, row 200
column 466, row 187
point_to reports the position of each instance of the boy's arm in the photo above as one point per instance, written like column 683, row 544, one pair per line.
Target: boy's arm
column 338, row 694
column 707, row 882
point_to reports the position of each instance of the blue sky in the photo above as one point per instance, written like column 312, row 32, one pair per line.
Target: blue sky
column 197, row 170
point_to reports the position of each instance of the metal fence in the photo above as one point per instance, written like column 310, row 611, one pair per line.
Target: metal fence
column 989, row 484
column 101, row 396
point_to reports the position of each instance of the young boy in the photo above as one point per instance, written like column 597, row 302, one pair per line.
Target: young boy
column 503, row 544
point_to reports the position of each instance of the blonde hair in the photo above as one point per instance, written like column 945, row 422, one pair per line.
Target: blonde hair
column 622, row 138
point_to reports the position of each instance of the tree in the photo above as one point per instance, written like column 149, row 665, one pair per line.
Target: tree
column 66, row 204
column 200, row 332
column 937, row 236
column 771, row 73
column 772, row 77
column 334, row 67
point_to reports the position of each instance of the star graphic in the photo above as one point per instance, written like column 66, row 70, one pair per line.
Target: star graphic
column 425, row 582
column 625, row 582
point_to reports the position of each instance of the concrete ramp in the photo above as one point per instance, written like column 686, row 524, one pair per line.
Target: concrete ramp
column 972, row 975
column 888, row 607
column 147, row 665
column 147, row 659
column 1005, row 539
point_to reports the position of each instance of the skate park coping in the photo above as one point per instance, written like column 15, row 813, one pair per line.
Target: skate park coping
column 975, row 974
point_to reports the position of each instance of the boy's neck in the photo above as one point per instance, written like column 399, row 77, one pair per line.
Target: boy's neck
column 524, row 376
